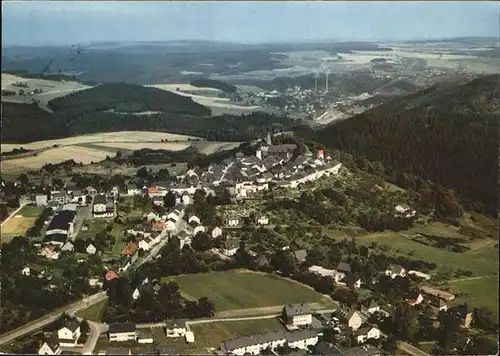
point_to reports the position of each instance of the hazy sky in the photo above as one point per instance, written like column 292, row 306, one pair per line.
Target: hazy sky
column 59, row 22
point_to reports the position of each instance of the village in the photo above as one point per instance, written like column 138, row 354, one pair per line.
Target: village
column 340, row 329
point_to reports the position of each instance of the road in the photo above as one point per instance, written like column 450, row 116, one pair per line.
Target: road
column 164, row 239
column 412, row 350
column 39, row 323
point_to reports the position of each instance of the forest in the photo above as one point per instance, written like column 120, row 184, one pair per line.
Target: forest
column 446, row 135
column 211, row 83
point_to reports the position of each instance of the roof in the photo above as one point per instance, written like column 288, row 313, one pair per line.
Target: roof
column 144, row 333
column 297, row 309
column 396, row 269
column 130, row 249
column 365, row 350
column 110, row 275
column 300, row 255
column 362, row 331
column 121, row 327
column 72, row 325
column 254, row 339
column 301, row 335
column 100, row 199
column 281, row 148
column 344, row 267
column 373, row 304
column 175, row 323
column 61, row 220
column 231, row 243
column 324, row 348
column 53, row 342
column 55, row 238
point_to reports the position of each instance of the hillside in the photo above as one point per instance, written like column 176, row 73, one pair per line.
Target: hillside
column 216, row 84
column 126, row 98
column 448, row 135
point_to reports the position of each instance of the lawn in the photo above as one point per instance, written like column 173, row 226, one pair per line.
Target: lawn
column 478, row 292
column 95, row 226
column 30, row 211
column 240, row 290
column 94, row 312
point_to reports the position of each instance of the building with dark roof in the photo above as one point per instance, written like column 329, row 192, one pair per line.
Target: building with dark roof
column 297, row 314
column 122, row 332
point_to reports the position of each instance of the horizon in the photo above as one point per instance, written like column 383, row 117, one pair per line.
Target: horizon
column 60, row 23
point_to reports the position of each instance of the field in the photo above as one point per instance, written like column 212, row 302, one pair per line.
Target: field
column 185, row 87
column 208, row 148
column 245, row 292
column 107, row 137
column 478, row 292
column 94, row 312
column 171, row 146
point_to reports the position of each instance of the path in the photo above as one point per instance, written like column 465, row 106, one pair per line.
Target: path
column 51, row 317
column 412, row 350
column 469, row 278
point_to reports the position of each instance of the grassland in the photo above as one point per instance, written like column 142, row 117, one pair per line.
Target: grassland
column 479, row 292
column 234, row 291
column 29, row 211
column 94, row 312
column 20, row 223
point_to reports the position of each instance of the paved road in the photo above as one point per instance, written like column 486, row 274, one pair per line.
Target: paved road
column 412, row 350
column 39, row 323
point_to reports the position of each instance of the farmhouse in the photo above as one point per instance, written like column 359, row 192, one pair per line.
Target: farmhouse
column 230, row 247
column 58, row 197
column 394, row 271
column 101, row 208
column 350, row 317
column 415, row 298
column 364, row 334
column 216, row 232
column 122, row 332
column 297, row 314
column 437, row 293
column 69, row 334
column 175, row 328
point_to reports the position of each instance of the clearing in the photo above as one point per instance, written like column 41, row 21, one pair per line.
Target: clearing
column 230, row 290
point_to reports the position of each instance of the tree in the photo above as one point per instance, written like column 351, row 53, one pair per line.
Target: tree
column 284, row 261
column 169, row 200
column 202, row 241
column 405, row 321
column 21, row 92
column 24, row 179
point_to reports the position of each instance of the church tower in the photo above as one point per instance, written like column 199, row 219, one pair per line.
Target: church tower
column 268, row 139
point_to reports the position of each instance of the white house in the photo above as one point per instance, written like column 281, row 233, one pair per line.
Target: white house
column 199, row 228
column 32, row 271
column 69, row 334
column 420, row 274
column 297, row 314
column 146, row 244
column 194, row 219
column 233, row 222
column 263, row 220
column 216, row 232
column 230, row 247
column 394, row 271
column 186, row 198
column 68, row 246
column 174, row 215
column 133, row 190
column 99, row 204
column 175, row 328
column 122, row 332
column 350, row 317
column 189, row 337
column 415, row 298
column 91, row 249
column 253, row 344
column 364, row 334
column 41, row 200
column 170, row 224
column 373, row 307
column 404, row 210
column 50, row 347
column 144, row 336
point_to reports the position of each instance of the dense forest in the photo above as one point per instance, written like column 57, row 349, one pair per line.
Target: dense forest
column 113, row 107
column 211, row 83
column 448, row 135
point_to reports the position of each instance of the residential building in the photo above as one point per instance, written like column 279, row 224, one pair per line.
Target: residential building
column 198, row 229
column 49, row 252
column 186, row 198
column 144, row 336
column 32, row 270
column 167, row 350
column 110, row 275
column 122, row 332
column 404, row 210
column 420, row 274
column 230, row 247
column 50, row 347
column 136, row 294
column 91, row 249
column 414, row 298
column 302, row 339
column 68, row 247
column 321, row 271
column 263, row 220
column 297, row 314
column 373, row 307
column 216, row 232
column 350, row 317
column 437, row 293
column 253, row 344
column 146, row 244
column 362, row 335
column 90, row 190
column 194, row 220
column 189, row 337
column 58, row 197
column 158, row 200
column 101, row 208
column 133, row 190
column 232, row 222
column 41, row 200
column 69, row 334
column 175, row 328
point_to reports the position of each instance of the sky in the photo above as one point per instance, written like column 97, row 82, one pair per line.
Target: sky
column 38, row 23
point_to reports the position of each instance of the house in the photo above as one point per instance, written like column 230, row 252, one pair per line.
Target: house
column 32, row 270
column 373, row 307
column 414, row 298
column 230, row 247
column 170, row 224
column 101, row 208
column 439, row 304
column 59, row 197
column 167, row 350
column 404, row 210
column 50, row 347
column 189, row 337
column 122, row 332
column 110, row 275
column 152, row 216
column 194, row 220
column 297, row 314
column 253, row 344
column 344, row 268
column 419, row 274
column 350, row 317
column 69, row 334
column 320, row 271
column 175, row 215
column 68, row 247
column 158, row 200
column 302, row 339
column 364, row 334
column 262, row 220
column 117, row 351
column 136, row 294
column 437, row 293
column 300, row 256
column 49, row 252
column 395, row 270
column 133, row 190
column 41, row 200
column 158, row 225
column 186, row 198
column 175, row 328
column 78, row 197
column 144, row 336
column 352, row 281
column 146, row 244
column 95, row 282
column 216, row 232
column 91, row 249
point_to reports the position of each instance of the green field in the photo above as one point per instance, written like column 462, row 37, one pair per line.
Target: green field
column 478, row 292
column 29, row 211
column 94, row 312
column 240, row 290
column 212, row 334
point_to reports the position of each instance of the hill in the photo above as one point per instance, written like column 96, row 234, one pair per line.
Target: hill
column 448, row 135
column 216, row 84
column 129, row 98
